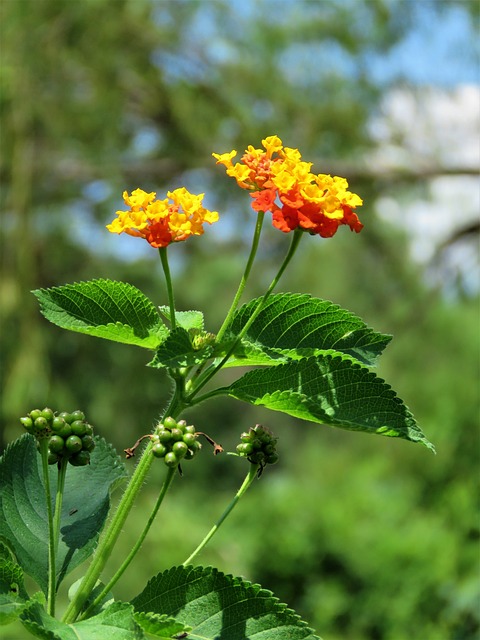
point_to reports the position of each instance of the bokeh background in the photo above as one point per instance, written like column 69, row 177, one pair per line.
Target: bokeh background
column 368, row 538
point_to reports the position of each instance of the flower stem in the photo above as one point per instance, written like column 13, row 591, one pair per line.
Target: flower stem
column 165, row 487
column 52, row 547
column 111, row 533
column 168, row 279
column 246, row 483
column 62, row 473
column 246, row 273
column 210, row 372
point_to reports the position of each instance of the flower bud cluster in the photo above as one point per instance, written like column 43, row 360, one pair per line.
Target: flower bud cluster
column 69, row 435
column 258, row 445
column 175, row 441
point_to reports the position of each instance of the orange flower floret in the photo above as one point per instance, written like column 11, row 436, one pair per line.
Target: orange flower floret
column 280, row 182
column 161, row 222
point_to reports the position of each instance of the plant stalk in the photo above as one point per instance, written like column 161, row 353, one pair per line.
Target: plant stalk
column 210, row 372
column 168, row 280
column 163, row 492
column 111, row 533
column 52, row 546
column 246, row 483
column 246, row 273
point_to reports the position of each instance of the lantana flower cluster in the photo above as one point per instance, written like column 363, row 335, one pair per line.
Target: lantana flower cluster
column 161, row 222
column 280, row 182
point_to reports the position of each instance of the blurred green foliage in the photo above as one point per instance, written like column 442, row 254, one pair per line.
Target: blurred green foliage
column 367, row 538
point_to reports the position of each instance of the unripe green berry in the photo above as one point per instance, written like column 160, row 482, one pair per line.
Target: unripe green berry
column 268, row 449
column 57, row 424
column 190, row 429
column 272, row 458
column 53, row 457
column 66, row 416
column 246, row 437
column 40, row 424
column 56, row 444
column 165, row 436
column 190, row 454
column 65, row 431
column 88, row 429
column 159, row 450
column 195, row 446
column 189, row 439
column 27, row 423
column 256, row 443
column 177, row 434
column 171, row 459
column 77, row 415
column 181, row 424
column 245, row 448
column 47, row 414
column 36, row 413
column 257, row 457
column 169, row 423
column 73, row 444
column 78, row 428
column 88, row 443
column 180, row 449
column 80, row 459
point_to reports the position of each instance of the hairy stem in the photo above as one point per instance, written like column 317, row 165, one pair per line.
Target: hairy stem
column 52, row 547
column 111, row 533
column 137, row 545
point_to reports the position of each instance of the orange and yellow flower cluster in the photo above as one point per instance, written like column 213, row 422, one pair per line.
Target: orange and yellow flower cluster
column 280, row 182
column 162, row 222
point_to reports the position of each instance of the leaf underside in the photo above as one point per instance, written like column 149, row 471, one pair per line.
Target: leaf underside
column 23, row 511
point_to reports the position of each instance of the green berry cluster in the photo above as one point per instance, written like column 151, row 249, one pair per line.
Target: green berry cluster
column 258, row 445
column 175, row 441
column 69, row 435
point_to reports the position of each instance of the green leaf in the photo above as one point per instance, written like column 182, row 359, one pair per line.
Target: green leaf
column 13, row 606
column 185, row 319
column 106, row 309
column 178, row 350
column 11, row 577
column 13, row 597
column 23, row 511
column 216, row 606
column 115, row 623
column 293, row 326
column 332, row 389
column 160, row 626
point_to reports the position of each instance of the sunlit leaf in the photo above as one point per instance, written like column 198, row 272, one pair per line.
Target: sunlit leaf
column 294, row 326
column 332, row 389
column 106, row 309
column 216, row 605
